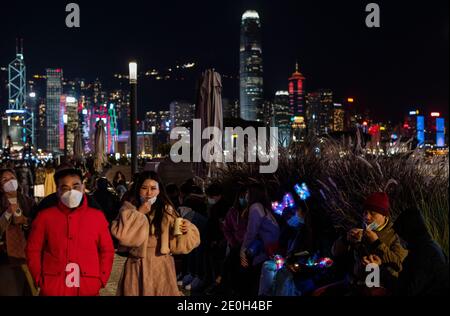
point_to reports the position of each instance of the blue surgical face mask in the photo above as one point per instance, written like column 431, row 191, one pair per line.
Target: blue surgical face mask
column 295, row 221
column 243, row 202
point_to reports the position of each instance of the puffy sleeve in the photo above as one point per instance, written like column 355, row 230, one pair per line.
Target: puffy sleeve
column 184, row 244
column 131, row 228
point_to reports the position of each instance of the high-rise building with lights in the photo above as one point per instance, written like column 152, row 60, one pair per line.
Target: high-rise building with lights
column 18, row 121
column 52, row 111
column 69, row 107
column 338, row 117
column 37, row 86
column 251, row 68
column 312, row 113
column 181, row 112
column 420, row 126
column 268, row 112
column 282, row 117
column 297, row 104
column 151, row 121
column 440, row 132
column 230, row 108
column 121, row 100
column 297, row 92
column 3, row 88
column 319, row 112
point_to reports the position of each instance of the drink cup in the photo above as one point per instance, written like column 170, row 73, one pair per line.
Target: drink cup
column 177, row 226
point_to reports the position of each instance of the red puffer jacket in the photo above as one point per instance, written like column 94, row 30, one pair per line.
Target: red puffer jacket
column 60, row 236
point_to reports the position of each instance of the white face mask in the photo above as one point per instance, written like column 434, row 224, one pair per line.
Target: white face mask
column 211, row 201
column 151, row 201
column 373, row 226
column 72, row 198
column 10, row 186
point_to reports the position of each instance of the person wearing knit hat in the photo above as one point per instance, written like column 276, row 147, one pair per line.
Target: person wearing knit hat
column 375, row 243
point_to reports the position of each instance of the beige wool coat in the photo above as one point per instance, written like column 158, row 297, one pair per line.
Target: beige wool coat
column 150, row 268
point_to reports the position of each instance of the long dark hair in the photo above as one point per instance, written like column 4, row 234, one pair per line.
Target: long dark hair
column 236, row 204
column 116, row 177
column 162, row 201
column 257, row 193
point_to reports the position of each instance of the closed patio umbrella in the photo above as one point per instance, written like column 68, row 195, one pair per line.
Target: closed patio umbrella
column 99, row 146
column 209, row 108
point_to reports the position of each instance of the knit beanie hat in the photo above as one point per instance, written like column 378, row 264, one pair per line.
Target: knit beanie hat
column 378, row 202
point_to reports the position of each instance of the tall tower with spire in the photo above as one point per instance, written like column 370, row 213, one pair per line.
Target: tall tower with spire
column 18, row 119
column 297, row 104
column 296, row 92
column 17, row 80
column 251, row 68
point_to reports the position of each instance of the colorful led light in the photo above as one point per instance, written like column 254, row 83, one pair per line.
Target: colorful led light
column 279, row 261
column 288, row 201
column 302, row 191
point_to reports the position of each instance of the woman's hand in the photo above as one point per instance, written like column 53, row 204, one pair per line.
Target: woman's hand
column 20, row 220
column 145, row 208
column 12, row 208
column 371, row 259
column 370, row 235
column 185, row 225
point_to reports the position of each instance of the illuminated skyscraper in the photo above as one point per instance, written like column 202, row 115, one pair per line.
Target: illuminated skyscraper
column 338, row 118
column 181, row 112
column 54, row 89
column 440, row 132
column 420, row 129
column 296, row 104
column 230, row 108
column 3, row 88
column 69, row 106
column 18, row 115
column 319, row 112
column 121, row 100
column 282, row 117
column 296, row 93
column 251, row 68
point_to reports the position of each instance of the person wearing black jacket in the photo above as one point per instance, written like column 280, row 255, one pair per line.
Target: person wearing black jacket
column 426, row 268
column 215, row 238
column 107, row 199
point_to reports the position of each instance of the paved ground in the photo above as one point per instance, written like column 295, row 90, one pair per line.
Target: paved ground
column 110, row 289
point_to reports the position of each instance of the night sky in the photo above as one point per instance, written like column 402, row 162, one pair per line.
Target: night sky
column 388, row 70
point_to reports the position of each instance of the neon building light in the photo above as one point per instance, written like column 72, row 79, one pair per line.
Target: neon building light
column 109, row 117
column 440, row 132
column 421, row 129
column 296, row 93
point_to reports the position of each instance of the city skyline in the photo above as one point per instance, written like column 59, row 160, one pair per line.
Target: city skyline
column 409, row 69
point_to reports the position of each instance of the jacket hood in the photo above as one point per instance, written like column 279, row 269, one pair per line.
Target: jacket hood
column 410, row 226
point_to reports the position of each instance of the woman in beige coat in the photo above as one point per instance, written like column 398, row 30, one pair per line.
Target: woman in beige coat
column 145, row 226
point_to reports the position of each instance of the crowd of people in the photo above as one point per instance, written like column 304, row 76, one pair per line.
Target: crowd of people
column 204, row 240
